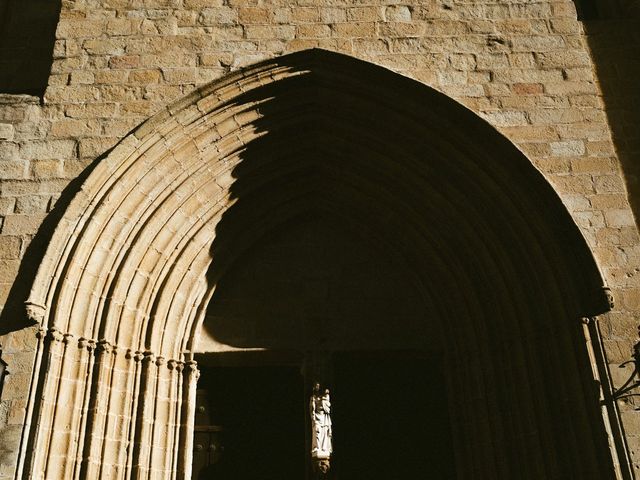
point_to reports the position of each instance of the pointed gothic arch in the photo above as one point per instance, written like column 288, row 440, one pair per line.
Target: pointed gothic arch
column 131, row 267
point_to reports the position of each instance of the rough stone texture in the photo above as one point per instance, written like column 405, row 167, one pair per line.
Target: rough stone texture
column 526, row 67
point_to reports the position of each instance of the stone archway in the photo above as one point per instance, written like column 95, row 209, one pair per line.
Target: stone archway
column 136, row 258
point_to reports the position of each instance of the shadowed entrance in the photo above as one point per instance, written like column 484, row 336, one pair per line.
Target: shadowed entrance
column 382, row 162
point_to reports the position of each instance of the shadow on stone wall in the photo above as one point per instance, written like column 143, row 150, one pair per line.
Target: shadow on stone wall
column 27, row 36
column 13, row 315
column 615, row 49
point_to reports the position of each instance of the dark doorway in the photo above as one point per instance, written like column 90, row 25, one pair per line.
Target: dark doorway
column 250, row 424
column 390, row 417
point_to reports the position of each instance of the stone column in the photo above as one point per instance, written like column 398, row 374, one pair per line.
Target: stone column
column 190, row 382
column 145, row 417
column 40, row 448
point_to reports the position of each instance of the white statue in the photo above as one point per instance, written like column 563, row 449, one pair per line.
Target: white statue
column 320, row 410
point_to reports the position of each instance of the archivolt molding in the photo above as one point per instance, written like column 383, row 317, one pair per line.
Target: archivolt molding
column 134, row 261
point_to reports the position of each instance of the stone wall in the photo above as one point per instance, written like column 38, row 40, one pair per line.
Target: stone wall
column 523, row 66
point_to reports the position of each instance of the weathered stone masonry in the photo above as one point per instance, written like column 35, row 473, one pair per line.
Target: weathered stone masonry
column 525, row 67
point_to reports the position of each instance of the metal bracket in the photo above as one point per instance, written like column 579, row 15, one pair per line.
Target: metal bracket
column 634, row 379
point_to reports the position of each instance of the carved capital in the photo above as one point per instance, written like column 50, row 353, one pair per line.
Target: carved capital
column 160, row 361
column 148, row 357
column 41, row 333
column 191, row 368
column 67, row 338
column 35, row 312
column 54, row 335
column 104, row 346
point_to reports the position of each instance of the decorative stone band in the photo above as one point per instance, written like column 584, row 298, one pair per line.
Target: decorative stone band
column 54, row 335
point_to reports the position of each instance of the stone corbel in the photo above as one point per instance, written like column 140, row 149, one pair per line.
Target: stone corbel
column 35, row 313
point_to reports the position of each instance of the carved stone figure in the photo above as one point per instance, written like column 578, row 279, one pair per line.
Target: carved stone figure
column 321, row 446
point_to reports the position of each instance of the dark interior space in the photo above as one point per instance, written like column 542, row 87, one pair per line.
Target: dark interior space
column 27, row 36
column 391, row 418
column 389, row 413
column 250, row 424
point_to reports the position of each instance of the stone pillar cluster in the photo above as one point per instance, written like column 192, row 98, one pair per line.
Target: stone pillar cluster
column 101, row 411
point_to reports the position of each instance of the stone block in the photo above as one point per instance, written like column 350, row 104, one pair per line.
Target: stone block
column 92, row 147
column 281, row 15
column 7, row 205
column 10, row 247
column 9, row 151
column 333, row 14
column 93, row 110
column 577, row 184
column 313, row 31
column 119, row 93
column 110, row 76
column 122, row 26
column 104, row 46
column 365, row 14
column 71, row 127
column 249, row 15
column 619, row 218
column 8, row 267
column 81, row 78
column 218, row 16
column 199, row 4
column 463, row 61
column 398, row 29
column 32, row 204
column 75, row 94
column 11, row 188
column 144, row 77
column 304, row 14
column 6, row 131
column 43, row 169
column 68, row 28
column 568, row 148
column 608, row 184
column 505, row 118
column 179, row 76
column 18, row 225
column 285, row 32
column 609, row 201
column 50, row 149
column 570, row 88
column 71, row 169
column 13, row 169
column 593, row 165
column 492, row 61
column 124, row 62
column 397, row 13
column 527, row 88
